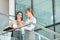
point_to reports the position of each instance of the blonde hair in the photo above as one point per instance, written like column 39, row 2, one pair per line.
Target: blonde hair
column 30, row 10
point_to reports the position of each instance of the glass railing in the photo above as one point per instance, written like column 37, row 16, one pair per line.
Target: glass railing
column 39, row 35
column 7, row 36
column 46, row 33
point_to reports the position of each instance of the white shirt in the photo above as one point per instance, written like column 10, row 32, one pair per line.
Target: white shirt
column 29, row 27
column 14, row 24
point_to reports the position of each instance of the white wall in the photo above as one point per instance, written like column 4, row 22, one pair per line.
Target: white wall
column 4, row 6
column 12, row 9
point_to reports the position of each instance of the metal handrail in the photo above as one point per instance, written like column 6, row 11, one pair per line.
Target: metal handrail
column 43, row 28
column 57, row 39
column 46, row 29
column 1, row 33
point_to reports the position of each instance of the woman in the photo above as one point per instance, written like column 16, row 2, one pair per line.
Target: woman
column 18, row 22
column 29, row 30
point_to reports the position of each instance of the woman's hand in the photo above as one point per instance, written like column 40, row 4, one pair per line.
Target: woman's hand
column 11, row 24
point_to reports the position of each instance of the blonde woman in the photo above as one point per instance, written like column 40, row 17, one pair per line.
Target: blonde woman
column 29, row 30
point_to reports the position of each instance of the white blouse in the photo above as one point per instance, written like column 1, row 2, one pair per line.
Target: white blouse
column 29, row 27
column 14, row 24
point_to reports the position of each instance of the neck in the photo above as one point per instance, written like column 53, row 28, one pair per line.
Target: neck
column 31, row 16
column 18, row 19
column 19, row 22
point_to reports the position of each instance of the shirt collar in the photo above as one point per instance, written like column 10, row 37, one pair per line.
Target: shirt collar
column 31, row 17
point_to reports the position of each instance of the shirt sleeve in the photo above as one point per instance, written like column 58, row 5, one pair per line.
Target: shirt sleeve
column 31, row 27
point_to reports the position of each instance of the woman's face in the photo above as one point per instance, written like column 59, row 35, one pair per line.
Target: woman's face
column 28, row 13
column 19, row 15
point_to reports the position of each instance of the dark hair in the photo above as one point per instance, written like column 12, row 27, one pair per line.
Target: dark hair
column 17, row 14
column 30, row 10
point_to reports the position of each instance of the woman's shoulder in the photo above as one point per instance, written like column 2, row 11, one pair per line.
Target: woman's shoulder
column 13, row 21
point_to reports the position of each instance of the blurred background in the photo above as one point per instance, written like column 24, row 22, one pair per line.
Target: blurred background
column 47, row 13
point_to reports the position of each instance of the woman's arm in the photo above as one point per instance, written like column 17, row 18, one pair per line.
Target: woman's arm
column 31, row 26
column 9, row 27
column 11, row 24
